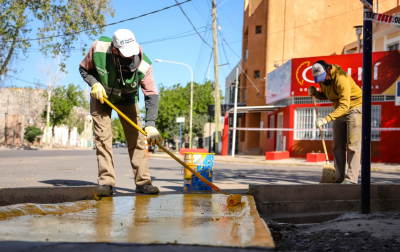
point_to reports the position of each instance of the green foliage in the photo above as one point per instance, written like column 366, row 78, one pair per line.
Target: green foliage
column 175, row 101
column 76, row 119
column 63, row 100
column 53, row 17
column 117, row 131
column 32, row 133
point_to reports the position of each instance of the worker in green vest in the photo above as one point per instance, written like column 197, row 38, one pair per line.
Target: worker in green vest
column 337, row 86
column 115, row 68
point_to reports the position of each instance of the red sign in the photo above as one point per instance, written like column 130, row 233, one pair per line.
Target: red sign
column 385, row 71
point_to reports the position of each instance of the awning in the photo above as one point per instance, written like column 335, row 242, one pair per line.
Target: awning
column 255, row 109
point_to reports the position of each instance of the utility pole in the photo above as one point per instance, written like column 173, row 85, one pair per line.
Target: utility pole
column 216, row 91
column 366, row 117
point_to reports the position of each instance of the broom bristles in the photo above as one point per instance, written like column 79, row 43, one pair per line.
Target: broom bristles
column 328, row 174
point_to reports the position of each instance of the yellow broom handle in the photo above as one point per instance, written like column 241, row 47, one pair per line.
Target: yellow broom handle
column 320, row 130
column 216, row 189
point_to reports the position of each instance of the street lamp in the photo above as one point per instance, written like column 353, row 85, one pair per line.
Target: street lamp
column 191, row 97
column 358, row 33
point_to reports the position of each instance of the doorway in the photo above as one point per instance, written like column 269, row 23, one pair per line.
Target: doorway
column 279, row 125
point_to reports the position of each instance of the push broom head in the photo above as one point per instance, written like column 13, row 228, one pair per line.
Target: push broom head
column 328, row 174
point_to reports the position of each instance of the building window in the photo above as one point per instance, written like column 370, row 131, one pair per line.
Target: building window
column 305, row 119
column 244, row 95
column 258, row 29
column 257, row 74
column 271, row 125
column 393, row 47
column 246, row 54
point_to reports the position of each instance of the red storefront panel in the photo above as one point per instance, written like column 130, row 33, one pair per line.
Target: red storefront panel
column 294, row 78
column 385, row 66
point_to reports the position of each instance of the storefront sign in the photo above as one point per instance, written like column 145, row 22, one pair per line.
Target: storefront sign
column 385, row 71
column 278, row 83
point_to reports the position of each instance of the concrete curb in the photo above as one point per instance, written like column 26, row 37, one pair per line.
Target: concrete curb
column 322, row 198
column 317, row 165
column 45, row 195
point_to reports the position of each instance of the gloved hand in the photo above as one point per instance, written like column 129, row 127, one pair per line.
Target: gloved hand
column 98, row 92
column 320, row 122
column 153, row 136
column 312, row 91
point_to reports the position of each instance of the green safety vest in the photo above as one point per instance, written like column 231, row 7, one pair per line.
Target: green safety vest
column 107, row 74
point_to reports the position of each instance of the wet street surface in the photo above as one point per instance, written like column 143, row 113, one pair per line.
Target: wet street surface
column 185, row 219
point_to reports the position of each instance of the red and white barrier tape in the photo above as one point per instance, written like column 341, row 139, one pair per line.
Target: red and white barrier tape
column 381, row 18
column 284, row 129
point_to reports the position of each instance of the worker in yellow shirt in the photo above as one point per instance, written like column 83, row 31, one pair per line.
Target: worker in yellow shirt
column 337, row 86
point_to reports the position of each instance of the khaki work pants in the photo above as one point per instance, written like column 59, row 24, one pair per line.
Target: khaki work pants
column 101, row 114
column 347, row 130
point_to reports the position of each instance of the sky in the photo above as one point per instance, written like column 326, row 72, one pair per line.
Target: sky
column 189, row 49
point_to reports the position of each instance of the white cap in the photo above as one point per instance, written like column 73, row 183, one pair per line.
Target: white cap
column 125, row 41
column 319, row 71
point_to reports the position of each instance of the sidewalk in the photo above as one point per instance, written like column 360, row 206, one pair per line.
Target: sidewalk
column 247, row 159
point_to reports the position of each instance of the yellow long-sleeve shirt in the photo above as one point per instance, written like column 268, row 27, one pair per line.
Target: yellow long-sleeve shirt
column 344, row 93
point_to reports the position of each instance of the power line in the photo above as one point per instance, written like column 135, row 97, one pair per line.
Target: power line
column 180, row 7
column 208, row 66
column 168, row 38
column 85, row 30
column 32, row 83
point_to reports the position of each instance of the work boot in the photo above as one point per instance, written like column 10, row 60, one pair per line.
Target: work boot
column 105, row 191
column 347, row 182
column 147, row 189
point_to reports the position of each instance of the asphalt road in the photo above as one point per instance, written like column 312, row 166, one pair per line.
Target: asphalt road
column 23, row 168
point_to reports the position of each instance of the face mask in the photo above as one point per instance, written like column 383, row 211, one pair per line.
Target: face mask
column 125, row 63
column 327, row 82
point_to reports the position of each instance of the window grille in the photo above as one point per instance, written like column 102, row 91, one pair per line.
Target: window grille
column 375, row 122
column 377, row 98
column 305, row 119
column 393, row 47
column 389, row 98
column 307, row 100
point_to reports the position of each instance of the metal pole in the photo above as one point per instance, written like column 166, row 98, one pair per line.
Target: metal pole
column 359, row 43
column 191, row 108
column 235, row 114
column 191, row 96
column 216, row 77
column 366, row 117
column 180, row 136
column 210, row 142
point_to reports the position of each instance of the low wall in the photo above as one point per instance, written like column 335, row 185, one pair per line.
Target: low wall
column 273, row 200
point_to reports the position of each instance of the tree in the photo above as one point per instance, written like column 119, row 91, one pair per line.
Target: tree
column 118, row 133
column 175, row 101
column 32, row 133
column 60, row 24
column 63, row 100
column 76, row 119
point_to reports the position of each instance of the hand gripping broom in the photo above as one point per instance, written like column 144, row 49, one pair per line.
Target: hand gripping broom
column 328, row 170
column 232, row 200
